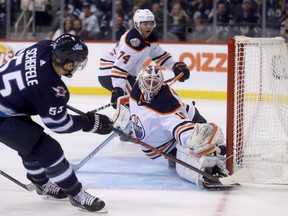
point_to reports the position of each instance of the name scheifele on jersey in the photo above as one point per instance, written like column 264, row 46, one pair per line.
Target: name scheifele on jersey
column 29, row 85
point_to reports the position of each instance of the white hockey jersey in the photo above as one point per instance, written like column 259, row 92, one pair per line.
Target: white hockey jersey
column 129, row 55
column 163, row 122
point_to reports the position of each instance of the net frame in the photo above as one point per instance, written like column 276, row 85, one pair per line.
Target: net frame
column 249, row 98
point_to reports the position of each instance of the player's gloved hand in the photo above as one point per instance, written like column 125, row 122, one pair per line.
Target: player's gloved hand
column 116, row 93
column 179, row 67
column 98, row 123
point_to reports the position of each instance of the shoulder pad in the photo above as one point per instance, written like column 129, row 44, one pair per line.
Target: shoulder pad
column 134, row 40
column 153, row 38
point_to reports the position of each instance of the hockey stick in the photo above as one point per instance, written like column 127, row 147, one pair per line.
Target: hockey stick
column 94, row 152
column 230, row 180
column 174, row 79
column 241, row 175
column 95, row 110
column 168, row 156
column 28, row 187
column 102, row 107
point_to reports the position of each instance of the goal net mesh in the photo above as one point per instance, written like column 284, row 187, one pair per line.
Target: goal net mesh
column 260, row 108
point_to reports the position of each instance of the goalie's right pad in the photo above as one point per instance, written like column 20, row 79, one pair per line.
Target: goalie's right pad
column 204, row 163
column 204, row 138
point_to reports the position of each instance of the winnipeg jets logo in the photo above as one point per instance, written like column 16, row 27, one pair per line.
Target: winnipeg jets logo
column 78, row 47
column 138, row 127
column 135, row 42
column 60, row 91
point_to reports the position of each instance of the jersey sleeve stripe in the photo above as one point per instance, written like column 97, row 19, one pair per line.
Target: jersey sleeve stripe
column 104, row 60
column 106, row 64
column 158, row 57
column 178, row 130
column 165, row 147
column 163, row 62
column 163, row 58
column 119, row 73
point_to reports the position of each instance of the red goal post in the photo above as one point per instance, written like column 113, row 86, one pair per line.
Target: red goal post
column 257, row 108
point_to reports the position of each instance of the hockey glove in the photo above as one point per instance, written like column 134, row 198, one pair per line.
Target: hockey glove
column 98, row 123
column 179, row 67
column 116, row 93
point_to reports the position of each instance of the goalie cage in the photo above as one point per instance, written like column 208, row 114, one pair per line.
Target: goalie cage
column 257, row 108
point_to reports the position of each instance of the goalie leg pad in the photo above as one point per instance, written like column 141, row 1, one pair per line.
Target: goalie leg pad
column 202, row 163
column 205, row 138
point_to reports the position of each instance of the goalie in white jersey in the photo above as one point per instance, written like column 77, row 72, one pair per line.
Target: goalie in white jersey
column 162, row 120
column 119, row 67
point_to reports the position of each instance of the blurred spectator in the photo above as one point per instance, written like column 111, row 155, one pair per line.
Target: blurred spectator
column 75, row 7
column 119, row 28
column 283, row 16
column 106, row 21
column 178, row 21
column 224, row 22
column 158, row 13
column 67, row 14
column 131, row 14
column 79, row 31
column 67, row 29
column 89, row 22
column 284, row 30
column 247, row 20
column 201, row 31
column 223, row 15
column 202, row 6
column 2, row 19
column 143, row 4
column 43, row 16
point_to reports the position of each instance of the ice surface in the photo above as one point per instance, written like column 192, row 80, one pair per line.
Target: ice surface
column 133, row 185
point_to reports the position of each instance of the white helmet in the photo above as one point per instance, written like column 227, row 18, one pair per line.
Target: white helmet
column 150, row 82
column 143, row 15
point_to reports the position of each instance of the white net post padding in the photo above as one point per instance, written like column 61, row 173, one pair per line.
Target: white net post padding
column 260, row 122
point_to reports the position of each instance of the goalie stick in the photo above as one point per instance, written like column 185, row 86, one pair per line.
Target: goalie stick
column 174, row 79
column 231, row 180
column 28, row 187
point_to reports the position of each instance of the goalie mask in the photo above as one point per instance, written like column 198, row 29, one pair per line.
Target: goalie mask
column 69, row 48
column 150, row 82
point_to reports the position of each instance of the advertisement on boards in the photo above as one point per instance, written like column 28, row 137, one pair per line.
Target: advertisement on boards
column 206, row 62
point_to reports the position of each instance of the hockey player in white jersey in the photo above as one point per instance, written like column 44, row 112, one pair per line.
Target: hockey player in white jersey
column 119, row 67
column 162, row 120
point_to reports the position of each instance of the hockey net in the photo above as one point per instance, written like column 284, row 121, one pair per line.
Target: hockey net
column 257, row 108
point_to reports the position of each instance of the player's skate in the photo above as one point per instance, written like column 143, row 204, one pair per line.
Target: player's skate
column 204, row 138
column 50, row 191
column 88, row 202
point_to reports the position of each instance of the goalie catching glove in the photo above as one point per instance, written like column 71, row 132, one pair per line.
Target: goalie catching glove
column 179, row 67
column 98, row 123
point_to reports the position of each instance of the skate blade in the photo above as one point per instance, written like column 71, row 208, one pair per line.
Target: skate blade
column 102, row 211
column 50, row 198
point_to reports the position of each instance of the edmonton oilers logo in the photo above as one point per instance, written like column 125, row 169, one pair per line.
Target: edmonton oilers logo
column 138, row 128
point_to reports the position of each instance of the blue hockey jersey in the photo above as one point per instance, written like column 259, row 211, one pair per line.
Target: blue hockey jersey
column 29, row 85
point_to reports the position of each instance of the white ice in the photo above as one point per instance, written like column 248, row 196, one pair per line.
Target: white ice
column 133, row 185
